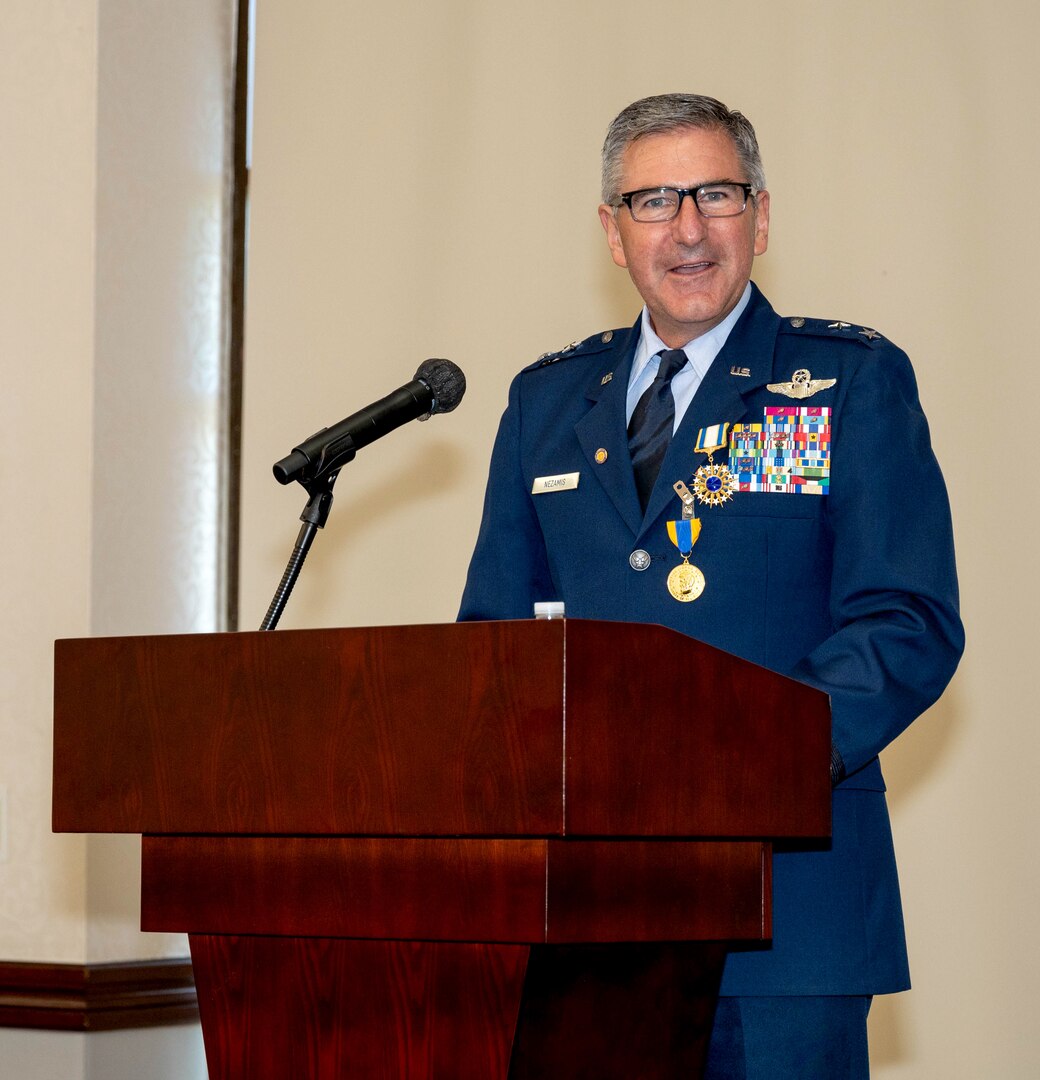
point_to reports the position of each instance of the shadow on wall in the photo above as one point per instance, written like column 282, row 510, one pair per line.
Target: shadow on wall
column 916, row 759
column 912, row 764
column 887, row 1031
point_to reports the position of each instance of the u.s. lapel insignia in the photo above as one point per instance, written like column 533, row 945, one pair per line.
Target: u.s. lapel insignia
column 606, row 378
column 743, row 371
column 802, row 385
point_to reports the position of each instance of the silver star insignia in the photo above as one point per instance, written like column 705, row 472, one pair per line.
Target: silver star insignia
column 869, row 334
column 802, row 385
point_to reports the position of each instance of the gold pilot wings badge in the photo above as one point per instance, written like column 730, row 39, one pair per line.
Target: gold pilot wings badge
column 802, row 385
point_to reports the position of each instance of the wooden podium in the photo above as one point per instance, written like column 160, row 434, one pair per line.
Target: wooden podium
column 485, row 850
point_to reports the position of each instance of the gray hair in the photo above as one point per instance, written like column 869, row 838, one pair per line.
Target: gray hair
column 672, row 112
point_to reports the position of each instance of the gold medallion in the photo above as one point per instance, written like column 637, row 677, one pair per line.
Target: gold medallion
column 685, row 582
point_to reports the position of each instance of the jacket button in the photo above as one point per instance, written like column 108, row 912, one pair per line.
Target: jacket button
column 639, row 559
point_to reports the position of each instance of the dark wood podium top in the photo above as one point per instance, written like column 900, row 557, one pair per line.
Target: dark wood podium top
column 564, row 728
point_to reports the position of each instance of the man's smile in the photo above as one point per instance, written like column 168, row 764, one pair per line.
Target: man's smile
column 692, row 267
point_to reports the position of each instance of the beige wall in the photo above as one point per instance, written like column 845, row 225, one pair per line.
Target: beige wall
column 113, row 209
column 112, row 219
column 887, row 128
column 47, row 131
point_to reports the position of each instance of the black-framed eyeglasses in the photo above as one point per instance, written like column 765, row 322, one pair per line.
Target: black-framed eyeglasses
column 663, row 203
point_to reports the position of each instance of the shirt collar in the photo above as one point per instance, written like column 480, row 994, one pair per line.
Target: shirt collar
column 700, row 352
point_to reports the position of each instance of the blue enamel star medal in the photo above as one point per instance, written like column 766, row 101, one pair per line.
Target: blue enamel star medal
column 713, row 484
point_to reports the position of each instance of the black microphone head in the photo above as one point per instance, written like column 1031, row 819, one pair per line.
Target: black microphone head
column 446, row 383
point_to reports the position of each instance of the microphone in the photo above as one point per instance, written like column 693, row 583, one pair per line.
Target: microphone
column 438, row 387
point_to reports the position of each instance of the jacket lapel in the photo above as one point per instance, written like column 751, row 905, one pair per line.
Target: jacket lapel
column 720, row 398
column 604, row 428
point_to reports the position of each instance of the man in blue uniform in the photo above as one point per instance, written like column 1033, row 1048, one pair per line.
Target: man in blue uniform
column 765, row 485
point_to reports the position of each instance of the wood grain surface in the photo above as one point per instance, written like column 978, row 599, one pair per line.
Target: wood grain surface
column 484, row 729
column 520, row 891
column 371, row 835
column 327, row 1009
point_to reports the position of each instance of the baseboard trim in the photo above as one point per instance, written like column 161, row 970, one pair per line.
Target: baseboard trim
column 97, row 997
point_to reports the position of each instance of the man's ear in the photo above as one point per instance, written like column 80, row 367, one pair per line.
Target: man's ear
column 761, row 222
column 608, row 219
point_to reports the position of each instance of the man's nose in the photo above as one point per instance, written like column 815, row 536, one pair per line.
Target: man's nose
column 689, row 225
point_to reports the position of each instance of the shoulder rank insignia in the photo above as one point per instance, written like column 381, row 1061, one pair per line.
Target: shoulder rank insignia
column 802, row 385
column 576, row 348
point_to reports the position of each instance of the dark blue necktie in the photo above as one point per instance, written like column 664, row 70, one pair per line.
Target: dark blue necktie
column 650, row 429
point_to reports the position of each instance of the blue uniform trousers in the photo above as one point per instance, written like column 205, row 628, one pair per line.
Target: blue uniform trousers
column 789, row 1038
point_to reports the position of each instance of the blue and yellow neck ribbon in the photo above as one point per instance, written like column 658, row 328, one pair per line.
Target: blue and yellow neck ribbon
column 684, row 534
column 712, row 438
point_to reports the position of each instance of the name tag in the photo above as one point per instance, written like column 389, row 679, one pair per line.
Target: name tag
column 563, row 482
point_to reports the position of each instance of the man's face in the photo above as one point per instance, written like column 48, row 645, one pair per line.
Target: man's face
column 690, row 271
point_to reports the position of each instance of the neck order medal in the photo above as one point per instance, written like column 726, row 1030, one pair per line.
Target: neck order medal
column 685, row 582
column 713, row 484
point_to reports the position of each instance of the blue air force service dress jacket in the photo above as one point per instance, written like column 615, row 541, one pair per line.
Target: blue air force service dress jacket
column 840, row 575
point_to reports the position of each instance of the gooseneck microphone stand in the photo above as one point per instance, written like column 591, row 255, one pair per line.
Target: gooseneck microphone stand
column 314, row 516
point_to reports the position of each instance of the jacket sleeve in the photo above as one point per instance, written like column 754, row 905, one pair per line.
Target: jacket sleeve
column 509, row 570
column 893, row 591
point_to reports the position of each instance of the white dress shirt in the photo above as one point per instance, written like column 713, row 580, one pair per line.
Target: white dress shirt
column 699, row 354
